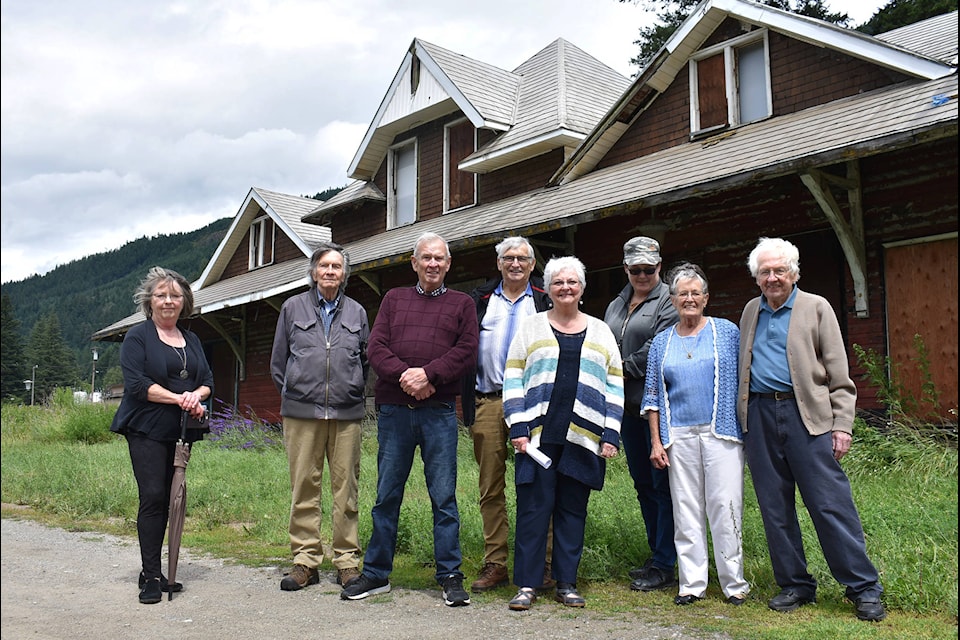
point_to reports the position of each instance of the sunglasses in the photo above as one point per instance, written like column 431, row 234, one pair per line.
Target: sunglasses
column 635, row 271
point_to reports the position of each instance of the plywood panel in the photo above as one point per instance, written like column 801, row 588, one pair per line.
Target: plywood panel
column 921, row 288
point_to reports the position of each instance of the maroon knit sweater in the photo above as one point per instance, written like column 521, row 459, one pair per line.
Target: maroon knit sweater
column 438, row 333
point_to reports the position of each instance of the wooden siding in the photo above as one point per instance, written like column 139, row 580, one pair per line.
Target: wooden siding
column 364, row 221
column 803, row 75
column 257, row 390
column 519, row 178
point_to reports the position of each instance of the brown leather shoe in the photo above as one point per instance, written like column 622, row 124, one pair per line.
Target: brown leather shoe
column 299, row 577
column 346, row 576
column 548, row 581
column 491, row 576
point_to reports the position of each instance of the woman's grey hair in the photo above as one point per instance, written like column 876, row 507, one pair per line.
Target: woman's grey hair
column 687, row 271
column 323, row 249
column 429, row 236
column 156, row 277
column 513, row 242
column 556, row 265
column 777, row 247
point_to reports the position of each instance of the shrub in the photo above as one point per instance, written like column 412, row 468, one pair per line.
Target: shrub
column 901, row 403
column 88, row 422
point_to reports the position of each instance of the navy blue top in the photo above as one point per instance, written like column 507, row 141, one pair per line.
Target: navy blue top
column 557, row 421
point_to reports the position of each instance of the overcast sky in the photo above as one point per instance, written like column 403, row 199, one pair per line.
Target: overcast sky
column 128, row 119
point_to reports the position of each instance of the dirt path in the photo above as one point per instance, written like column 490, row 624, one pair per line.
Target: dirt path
column 58, row 584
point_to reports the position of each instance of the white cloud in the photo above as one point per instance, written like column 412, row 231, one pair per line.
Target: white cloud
column 128, row 119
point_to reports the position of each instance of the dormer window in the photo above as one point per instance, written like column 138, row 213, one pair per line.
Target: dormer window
column 262, row 233
column 402, row 184
column 459, row 187
column 730, row 84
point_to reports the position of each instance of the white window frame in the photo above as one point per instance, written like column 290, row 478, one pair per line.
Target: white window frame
column 262, row 235
column 394, row 215
column 446, row 166
column 731, row 83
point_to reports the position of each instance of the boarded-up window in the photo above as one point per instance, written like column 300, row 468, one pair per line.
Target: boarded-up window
column 729, row 84
column 921, row 295
column 712, row 92
column 461, row 142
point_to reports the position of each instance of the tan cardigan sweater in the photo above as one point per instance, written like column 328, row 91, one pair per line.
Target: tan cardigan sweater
column 826, row 395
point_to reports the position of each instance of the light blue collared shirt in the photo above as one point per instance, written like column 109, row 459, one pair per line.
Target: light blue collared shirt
column 769, row 368
column 327, row 309
column 497, row 329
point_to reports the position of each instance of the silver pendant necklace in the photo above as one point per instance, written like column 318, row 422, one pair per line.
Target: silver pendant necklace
column 683, row 344
column 183, row 359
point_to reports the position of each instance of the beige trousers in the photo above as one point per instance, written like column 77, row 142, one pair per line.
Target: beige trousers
column 307, row 443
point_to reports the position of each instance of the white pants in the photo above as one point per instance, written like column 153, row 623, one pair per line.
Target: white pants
column 706, row 484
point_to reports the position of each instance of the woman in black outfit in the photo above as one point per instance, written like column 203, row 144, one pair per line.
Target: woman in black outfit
column 165, row 373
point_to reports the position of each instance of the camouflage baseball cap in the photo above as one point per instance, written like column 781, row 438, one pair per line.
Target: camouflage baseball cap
column 641, row 250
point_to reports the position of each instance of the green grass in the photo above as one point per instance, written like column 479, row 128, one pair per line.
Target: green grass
column 238, row 503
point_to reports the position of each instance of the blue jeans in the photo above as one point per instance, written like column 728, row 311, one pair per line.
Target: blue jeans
column 400, row 429
column 653, row 490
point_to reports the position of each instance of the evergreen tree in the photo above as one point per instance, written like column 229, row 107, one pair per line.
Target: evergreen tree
column 671, row 13
column 898, row 13
column 56, row 364
column 12, row 363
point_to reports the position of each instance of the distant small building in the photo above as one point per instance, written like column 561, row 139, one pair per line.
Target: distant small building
column 113, row 394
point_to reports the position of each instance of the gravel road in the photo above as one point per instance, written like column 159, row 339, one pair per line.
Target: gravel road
column 59, row 584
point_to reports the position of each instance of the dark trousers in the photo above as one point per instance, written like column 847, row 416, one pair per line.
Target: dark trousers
column 550, row 495
column 783, row 456
column 653, row 490
column 153, row 468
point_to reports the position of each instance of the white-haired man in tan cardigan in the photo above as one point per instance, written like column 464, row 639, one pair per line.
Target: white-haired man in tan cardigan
column 796, row 405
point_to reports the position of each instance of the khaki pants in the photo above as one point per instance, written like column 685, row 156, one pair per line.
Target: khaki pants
column 490, row 447
column 307, row 443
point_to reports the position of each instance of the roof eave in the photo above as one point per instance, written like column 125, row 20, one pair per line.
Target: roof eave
column 481, row 162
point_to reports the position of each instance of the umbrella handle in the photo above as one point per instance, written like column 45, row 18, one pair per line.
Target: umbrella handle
column 183, row 425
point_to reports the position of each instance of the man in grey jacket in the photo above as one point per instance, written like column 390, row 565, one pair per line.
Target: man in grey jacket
column 319, row 365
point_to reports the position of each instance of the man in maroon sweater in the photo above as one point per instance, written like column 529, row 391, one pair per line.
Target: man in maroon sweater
column 423, row 342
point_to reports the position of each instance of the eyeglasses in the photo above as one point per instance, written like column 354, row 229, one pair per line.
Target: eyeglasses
column 565, row 283
column 635, row 271
column 693, row 295
column 173, row 297
column 779, row 272
column 518, row 259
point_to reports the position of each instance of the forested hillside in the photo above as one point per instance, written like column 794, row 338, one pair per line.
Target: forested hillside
column 91, row 293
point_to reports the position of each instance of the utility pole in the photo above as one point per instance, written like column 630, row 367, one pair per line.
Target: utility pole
column 93, row 377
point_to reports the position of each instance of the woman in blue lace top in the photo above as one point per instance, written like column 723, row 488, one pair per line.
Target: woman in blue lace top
column 690, row 401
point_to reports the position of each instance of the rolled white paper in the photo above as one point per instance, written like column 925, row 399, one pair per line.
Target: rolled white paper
column 538, row 456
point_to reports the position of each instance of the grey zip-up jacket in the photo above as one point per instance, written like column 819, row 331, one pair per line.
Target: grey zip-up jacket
column 320, row 377
column 634, row 333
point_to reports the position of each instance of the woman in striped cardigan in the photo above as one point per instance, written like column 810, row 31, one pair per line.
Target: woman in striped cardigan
column 563, row 400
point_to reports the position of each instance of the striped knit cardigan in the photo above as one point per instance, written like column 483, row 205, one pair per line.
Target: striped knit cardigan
column 528, row 380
